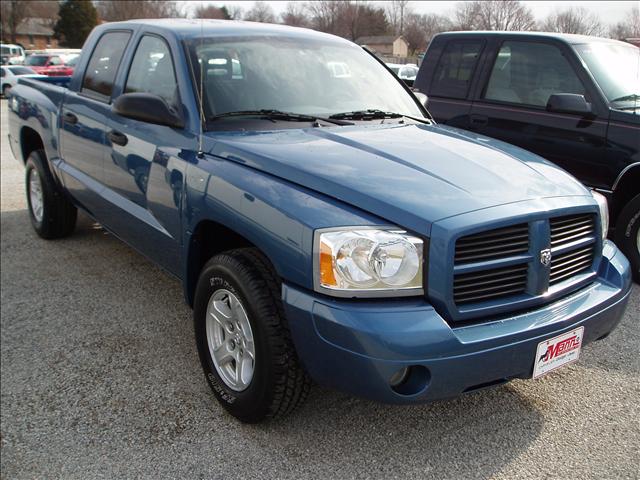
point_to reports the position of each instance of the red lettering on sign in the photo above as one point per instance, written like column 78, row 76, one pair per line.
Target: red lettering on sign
column 562, row 347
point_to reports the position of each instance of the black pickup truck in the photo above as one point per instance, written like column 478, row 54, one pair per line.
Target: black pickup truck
column 574, row 100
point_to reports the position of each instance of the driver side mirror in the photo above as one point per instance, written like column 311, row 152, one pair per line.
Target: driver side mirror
column 569, row 103
column 147, row 107
column 422, row 98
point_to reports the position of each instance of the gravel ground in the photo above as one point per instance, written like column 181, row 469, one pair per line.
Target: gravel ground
column 100, row 379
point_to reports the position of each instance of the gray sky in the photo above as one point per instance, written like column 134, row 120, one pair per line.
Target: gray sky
column 609, row 11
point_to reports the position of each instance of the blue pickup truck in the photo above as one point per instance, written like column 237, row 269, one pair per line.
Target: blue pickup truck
column 323, row 227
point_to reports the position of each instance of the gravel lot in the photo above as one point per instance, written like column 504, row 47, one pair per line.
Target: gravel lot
column 100, row 379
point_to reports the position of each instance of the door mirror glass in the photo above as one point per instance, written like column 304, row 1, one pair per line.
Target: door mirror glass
column 568, row 103
column 147, row 107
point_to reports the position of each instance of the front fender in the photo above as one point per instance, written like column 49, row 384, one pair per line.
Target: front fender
column 277, row 216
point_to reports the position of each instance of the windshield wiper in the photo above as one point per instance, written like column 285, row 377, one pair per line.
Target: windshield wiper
column 278, row 115
column 374, row 114
column 633, row 96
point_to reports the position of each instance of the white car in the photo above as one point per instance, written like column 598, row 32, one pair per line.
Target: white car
column 9, row 77
column 11, row 54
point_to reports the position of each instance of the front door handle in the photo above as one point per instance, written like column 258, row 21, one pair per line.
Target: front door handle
column 479, row 120
column 70, row 118
column 118, row 138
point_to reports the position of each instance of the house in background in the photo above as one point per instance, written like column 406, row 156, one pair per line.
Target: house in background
column 386, row 45
column 36, row 34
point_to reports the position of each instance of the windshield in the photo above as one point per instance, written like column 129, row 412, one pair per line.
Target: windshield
column 36, row 60
column 616, row 69
column 311, row 77
column 21, row 71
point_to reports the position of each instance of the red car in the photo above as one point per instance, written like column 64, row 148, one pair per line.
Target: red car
column 51, row 65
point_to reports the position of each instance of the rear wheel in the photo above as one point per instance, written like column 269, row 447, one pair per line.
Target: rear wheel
column 243, row 339
column 52, row 214
column 628, row 234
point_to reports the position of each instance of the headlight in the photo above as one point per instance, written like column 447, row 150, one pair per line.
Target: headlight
column 366, row 262
column 604, row 212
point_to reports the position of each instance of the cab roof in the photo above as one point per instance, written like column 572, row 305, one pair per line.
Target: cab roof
column 568, row 38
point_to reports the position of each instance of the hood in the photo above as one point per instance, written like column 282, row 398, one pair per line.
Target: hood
column 409, row 175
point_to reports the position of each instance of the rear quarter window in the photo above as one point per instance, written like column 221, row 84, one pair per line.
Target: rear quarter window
column 456, row 66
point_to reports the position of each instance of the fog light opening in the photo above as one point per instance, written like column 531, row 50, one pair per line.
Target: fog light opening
column 410, row 380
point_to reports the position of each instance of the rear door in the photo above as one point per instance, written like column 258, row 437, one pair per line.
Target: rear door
column 446, row 76
column 83, row 143
column 511, row 106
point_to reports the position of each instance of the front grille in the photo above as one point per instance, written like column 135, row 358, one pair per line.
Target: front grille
column 489, row 284
column 568, row 231
column 493, row 244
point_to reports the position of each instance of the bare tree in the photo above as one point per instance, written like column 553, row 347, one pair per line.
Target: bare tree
column 494, row 15
column 295, row 15
column 260, row 12
column 630, row 28
column 397, row 12
column 12, row 13
column 420, row 29
column 573, row 20
column 325, row 15
column 210, row 11
column 235, row 12
column 117, row 10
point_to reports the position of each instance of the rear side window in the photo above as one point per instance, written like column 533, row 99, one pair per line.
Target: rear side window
column 103, row 64
column 152, row 70
column 454, row 71
column 529, row 73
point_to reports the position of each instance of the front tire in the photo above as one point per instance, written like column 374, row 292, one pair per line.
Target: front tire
column 52, row 214
column 628, row 234
column 5, row 90
column 243, row 339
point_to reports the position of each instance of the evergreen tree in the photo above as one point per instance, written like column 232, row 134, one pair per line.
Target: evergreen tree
column 76, row 20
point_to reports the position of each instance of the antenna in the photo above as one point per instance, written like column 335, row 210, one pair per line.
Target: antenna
column 201, row 94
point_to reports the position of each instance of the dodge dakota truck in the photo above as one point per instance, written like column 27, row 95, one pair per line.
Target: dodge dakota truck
column 572, row 99
column 322, row 226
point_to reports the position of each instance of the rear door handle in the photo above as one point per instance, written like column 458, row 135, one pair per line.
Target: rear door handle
column 70, row 118
column 479, row 120
column 118, row 138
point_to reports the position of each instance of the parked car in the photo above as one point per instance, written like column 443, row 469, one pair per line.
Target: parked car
column 9, row 77
column 11, row 54
column 64, row 70
column 406, row 73
column 574, row 100
column 44, row 63
column 323, row 233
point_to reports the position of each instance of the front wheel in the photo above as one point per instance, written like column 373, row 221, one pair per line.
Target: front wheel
column 52, row 214
column 5, row 90
column 628, row 234
column 243, row 339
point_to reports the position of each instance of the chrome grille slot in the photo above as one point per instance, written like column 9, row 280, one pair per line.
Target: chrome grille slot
column 572, row 228
column 489, row 284
column 565, row 231
column 493, row 244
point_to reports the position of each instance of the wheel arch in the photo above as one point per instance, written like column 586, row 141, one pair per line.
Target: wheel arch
column 625, row 188
column 30, row 140
column 208, row 239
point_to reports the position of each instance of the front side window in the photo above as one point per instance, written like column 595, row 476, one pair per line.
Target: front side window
column 152, row 70
column 55, row 61
column 103, row 64
column 529, row 73
column 303, row 76
column 454, row 72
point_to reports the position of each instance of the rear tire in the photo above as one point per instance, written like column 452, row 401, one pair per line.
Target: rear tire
column 52, row 214
column 276, row 383
column 628, row 234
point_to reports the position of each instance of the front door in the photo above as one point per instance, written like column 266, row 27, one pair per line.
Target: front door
column 512, row 107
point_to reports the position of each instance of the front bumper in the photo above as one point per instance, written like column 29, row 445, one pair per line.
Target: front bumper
column 358, row 346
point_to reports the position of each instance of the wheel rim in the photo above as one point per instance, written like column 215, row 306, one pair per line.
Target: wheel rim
column 35, row 195
column 230, row 340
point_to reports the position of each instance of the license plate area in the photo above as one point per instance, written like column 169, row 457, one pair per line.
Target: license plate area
column 557, row 352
